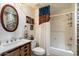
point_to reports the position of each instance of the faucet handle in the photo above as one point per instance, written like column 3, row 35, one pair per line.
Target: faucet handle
column 7, row 41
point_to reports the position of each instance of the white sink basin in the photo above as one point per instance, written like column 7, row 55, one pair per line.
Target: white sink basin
column 1, row 48
column 15, row 42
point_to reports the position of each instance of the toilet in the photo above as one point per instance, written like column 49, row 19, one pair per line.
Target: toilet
column 37, row 50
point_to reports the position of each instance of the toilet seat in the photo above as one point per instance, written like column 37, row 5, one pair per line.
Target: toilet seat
column 38, row 51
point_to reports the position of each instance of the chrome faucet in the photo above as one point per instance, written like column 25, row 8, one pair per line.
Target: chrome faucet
column 13, row 39
column 0, row 42
column 7, row 41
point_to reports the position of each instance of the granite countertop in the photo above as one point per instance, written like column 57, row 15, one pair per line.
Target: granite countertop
column 13, row 45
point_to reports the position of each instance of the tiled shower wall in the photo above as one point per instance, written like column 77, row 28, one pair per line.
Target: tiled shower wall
column 61, row 32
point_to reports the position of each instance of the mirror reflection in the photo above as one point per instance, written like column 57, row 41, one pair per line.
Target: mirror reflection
column 9, row 18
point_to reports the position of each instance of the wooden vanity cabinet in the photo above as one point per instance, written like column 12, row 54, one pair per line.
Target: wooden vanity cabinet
column 23, row 50
column 12, row 53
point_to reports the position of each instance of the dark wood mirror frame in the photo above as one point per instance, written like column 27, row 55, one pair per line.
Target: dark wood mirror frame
column 2, row 19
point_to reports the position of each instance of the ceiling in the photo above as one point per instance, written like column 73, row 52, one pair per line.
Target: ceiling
column 59, row 7
column 55, row 7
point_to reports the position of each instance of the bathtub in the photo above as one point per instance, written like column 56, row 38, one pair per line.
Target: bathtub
column 59, row 52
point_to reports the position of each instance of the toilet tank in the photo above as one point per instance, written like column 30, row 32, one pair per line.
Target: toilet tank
column 33, row 44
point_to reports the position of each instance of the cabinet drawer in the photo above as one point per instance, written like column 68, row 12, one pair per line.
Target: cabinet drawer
column 25, row 46
column 25, row 52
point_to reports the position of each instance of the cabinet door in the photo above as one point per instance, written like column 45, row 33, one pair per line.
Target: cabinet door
column 26, row 50
column 13, row 53
column 30, row 50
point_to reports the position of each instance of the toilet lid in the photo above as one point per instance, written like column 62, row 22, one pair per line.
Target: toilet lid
column 39, row 50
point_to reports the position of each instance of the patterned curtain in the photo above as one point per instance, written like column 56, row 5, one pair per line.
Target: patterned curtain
column 44, row 14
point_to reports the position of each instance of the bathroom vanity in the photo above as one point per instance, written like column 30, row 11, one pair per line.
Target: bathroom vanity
column 21, row 48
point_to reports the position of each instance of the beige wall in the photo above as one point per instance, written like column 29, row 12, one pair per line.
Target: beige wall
column 4, row 35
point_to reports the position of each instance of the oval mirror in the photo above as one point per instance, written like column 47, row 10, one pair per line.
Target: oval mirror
column 9, row 18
